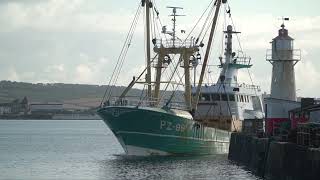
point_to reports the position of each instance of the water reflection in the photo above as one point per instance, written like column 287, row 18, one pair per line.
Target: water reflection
column 204, row 167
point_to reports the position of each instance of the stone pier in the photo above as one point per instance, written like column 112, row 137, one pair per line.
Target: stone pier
column 275, row 160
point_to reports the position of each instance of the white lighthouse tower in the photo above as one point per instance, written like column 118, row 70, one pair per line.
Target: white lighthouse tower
column 283, row 58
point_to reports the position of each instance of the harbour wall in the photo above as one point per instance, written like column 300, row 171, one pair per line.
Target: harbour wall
column 274, row 160
column 50, row 117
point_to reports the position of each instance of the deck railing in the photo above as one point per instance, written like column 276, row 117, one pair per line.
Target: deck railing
column 176, row 44
column 236, row 85
column 136, row 101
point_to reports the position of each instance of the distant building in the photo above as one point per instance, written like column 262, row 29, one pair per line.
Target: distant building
column 25, row 104
column 46, row 108
column 15, row 107
column 5, row 108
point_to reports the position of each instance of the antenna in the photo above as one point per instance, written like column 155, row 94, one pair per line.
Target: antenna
column 283, row 19
column 174, row 15
column 174, row 8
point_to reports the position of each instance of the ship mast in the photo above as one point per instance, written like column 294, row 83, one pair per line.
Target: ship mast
column 174, row 46
column 205, row 62
column 148, row 5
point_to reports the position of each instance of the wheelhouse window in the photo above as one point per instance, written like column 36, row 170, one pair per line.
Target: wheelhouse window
column 232, row 97
column 224, row 97
column 205, row 97
column 241, row 98
column 216, row 97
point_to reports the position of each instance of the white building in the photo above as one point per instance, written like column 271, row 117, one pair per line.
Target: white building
column 5, row 109
column 56, row 107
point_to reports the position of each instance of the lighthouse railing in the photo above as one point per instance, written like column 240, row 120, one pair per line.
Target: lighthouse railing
column 283, row 55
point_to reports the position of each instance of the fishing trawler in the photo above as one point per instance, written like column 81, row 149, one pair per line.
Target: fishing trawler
column 155, row 123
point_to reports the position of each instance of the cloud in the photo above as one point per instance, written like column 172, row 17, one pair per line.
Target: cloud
column 259, row 30
column 83, row 73
column 55, row 68
column 13, row 75
column 60, row 15
column 307, row 78
column 90, row 72
column 20, row 1
column 75, row 41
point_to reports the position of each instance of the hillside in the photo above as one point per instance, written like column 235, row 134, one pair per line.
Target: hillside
column 72, row 94
column 76, row 96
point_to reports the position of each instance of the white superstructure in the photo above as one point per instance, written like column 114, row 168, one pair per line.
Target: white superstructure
column 227, row 100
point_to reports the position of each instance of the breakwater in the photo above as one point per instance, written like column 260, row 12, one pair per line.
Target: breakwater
column 274, row 160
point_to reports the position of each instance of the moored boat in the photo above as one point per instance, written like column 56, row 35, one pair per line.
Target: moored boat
column 155, row 131
column 155, row 124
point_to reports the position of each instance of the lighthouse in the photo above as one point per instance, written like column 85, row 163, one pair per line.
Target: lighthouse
column 283, row 58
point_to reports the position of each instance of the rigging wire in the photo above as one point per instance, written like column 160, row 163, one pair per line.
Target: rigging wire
column 124, row 51
column 171, row 78
column 229, row 108
column 120, row 58
column 214, row 36
column 208, row 26
column 143, row 73
column 226, row 64
column 153, row 23
column 170, row 67
column 165, row 35
column 174, row 92
column 197, row 23
column 157, row 26
column 173, row 71
column 172, row 63
column 221, row 84
column 240, row 46
column 223, row 29
column 159, row 20
column 134, row 25
column 159, row 33
column 209, row 15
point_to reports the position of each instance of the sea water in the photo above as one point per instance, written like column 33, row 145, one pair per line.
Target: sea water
column 48, row 149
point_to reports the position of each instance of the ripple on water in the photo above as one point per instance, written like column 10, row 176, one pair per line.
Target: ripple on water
column 86, row 150
column 204, row 167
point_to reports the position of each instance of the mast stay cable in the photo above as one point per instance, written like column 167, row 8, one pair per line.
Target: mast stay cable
column 216, row 16
column 121, row 57
column 240, row 46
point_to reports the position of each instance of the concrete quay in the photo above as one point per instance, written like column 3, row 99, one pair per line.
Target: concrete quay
column 275, row 160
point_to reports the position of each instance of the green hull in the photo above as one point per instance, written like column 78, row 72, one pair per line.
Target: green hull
column 155, row 131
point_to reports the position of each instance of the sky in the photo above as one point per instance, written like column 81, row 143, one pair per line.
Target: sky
column 78, row 41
